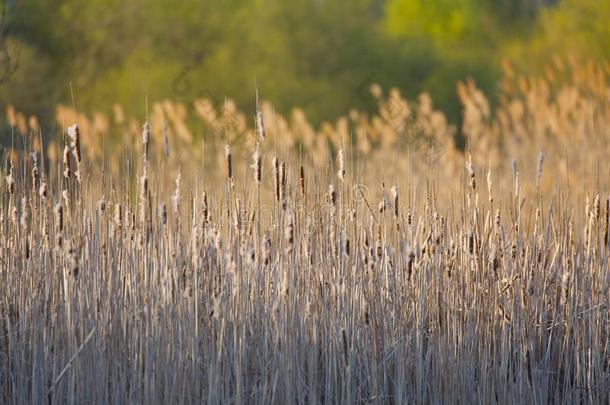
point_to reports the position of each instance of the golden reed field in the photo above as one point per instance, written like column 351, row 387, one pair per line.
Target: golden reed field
column 197, row 254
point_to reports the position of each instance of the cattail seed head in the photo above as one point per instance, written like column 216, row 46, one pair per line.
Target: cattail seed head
column 341, row 160
column 596, row 207
column 24, row 212
column 302, row 180
column 101, row 204
column 276, row 177
column 145, row 140
column 332, row 195
column 66, row 196
column 266, row 248
column 283, row 183
column 43, row 190
column 471, row 175
column 489, row 186
column 469, row 242
column 14, row 216
column 382, row 205
column 204, row 209
column 163, row 213
column 256, row 165
column 118, row 215
column 229, row 162
column 176, row 198
column 74, row 135
column 35, row 171
column 59, row 217
column 66, row 161
column 394, row 191
column 260, row 127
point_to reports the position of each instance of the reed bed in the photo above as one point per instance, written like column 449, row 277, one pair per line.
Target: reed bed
column 375, row 260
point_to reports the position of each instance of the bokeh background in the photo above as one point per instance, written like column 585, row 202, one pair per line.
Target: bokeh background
column 318, row 55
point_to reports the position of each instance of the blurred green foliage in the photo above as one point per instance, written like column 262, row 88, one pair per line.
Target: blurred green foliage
column 320, row 55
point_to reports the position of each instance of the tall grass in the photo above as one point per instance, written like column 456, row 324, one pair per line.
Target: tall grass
column 373, row 260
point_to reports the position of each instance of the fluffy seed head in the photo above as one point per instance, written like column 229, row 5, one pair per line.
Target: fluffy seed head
column 341, row 160
column 74, row 135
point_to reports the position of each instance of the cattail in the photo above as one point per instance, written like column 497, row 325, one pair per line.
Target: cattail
column 101, row 204
column 144, row 184
column 163, row 213
column 471, row 175
column 143, row 194
column 66, row 161
column 596, row 207
column 489, row 186
column 59, row 217
column 43, row 190
column 14, row 216
column 410, row 262
column 118, row 215
column 341, row 160
column 35, row 171
column 266, row 248
column 260, row 127
column 74, row 135
column 469, row 242
column 204, row 209
column 27, row 247
column 394, row 191
column 229, row 162
column 256, row 165
column 539, row 168
column 346, row 244
column 176, row 199
column 283, row 184
column 45, row 228
column 145, row 140
column 302, row 180
column 66, row 196
column 276, row 177
column 332, row 234
column 378, row 243
column 382, row 204
column 251, row 222
column 332, row 195
column 345, row 346
column 24, row 212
